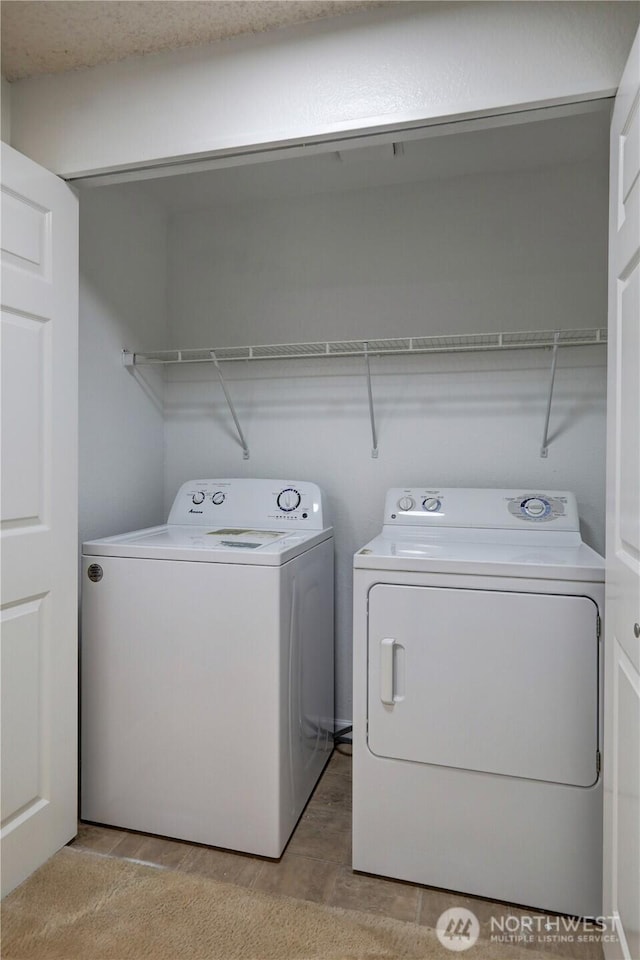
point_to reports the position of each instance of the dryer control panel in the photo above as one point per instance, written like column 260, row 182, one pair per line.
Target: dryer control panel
column 283, row 504
column 538, row 507
column 433, row 507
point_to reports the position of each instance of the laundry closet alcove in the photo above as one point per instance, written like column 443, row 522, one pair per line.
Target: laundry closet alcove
column 495, row 229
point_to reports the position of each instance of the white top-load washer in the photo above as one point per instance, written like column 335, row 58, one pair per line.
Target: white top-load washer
column 477, row 698
column 207, row 666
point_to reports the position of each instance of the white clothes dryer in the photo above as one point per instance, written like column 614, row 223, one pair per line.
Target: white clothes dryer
column 477, row 698
column 207, row 666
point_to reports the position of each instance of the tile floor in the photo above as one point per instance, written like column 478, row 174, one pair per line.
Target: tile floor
column 316, row 866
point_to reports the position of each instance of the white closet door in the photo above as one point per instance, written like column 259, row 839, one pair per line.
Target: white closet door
column 622, row 696
column 38, row 537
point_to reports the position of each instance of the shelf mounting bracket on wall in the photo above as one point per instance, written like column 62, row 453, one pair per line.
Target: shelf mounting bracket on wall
column 544, row 449
column 232, row 409
column 374, row 435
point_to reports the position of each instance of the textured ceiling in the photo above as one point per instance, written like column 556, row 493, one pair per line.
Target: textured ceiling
column 50, row 36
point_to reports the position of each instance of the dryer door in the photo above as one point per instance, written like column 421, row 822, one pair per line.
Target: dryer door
column 505, row 683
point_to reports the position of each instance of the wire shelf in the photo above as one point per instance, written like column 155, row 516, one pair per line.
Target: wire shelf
column 402, row 346
column 461, row 343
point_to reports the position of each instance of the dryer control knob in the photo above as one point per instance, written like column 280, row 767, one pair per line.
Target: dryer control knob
column 217, row 498
column 431, row 504
column 406, row 503
column 535, row 507
column 198, row 498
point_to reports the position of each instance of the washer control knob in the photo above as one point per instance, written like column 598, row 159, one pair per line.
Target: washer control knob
column 406, row 503
column 218, row 497
column 198, row 498
column 288, row 499
column 431, row 504
column 535, row 507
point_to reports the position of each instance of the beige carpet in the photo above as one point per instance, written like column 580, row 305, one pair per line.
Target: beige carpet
column 83, row 906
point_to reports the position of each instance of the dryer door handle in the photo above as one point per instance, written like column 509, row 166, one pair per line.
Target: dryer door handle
column 386, row 670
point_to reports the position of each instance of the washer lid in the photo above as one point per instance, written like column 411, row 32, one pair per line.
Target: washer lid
column 461, row 556
column 210, row 544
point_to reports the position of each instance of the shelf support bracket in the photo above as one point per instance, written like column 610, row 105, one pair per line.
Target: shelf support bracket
column 372, row 417
column 544, row 449
column 232, row 409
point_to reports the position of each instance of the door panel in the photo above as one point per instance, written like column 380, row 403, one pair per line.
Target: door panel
column 500, row 682
column 622, row 671
column 38, row 510
column 24, row 438
column 26, row 233
column 627, row 761
column 22, row 660
column 629, row 386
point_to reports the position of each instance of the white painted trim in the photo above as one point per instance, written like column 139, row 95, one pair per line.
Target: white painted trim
column 267, row 153
column 617, row 949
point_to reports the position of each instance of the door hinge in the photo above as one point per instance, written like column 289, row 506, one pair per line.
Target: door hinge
column 598, row 762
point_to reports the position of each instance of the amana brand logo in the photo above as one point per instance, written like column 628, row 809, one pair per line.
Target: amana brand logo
column 458, row 929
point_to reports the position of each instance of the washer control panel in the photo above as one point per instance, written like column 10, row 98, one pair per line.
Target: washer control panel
column 288, row 504
column 289, row 499
column 427, row 507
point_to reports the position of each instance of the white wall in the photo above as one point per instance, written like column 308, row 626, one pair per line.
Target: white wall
column 123, row 251
column 400, row 64
column 470, row 254
column 519, row 251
